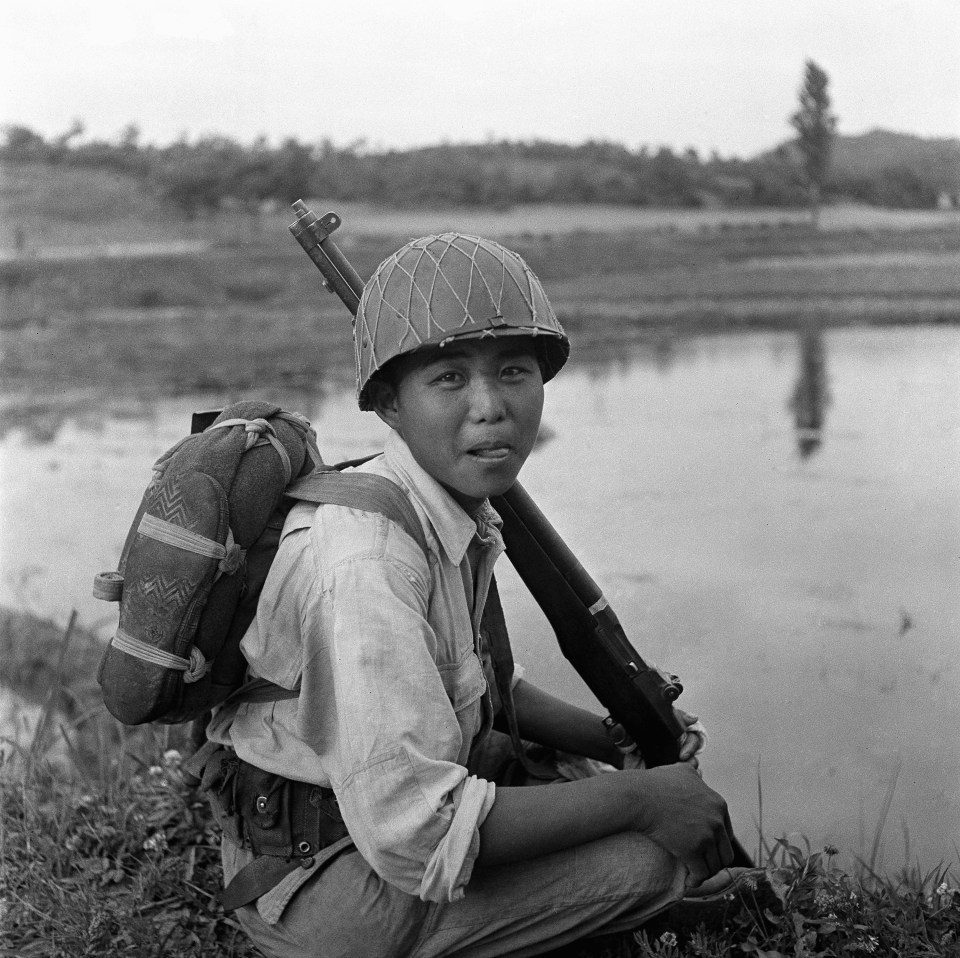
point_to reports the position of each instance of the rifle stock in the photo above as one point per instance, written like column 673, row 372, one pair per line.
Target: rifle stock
column 637, row 695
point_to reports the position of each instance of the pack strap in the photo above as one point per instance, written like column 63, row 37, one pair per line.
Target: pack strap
column 193, row 668
column 494, row 625
column 361, row 490
column 260, row 690
column 231, row 556
column 302, row 424
column 356, row 490
column 260, row 433
column 255, row 879
column 202, row 421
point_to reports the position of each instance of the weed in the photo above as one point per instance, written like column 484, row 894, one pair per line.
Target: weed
column 128, row 866
column 117, row 855
column 822, row 911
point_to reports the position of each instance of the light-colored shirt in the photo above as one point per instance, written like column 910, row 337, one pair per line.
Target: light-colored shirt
column 383, row 641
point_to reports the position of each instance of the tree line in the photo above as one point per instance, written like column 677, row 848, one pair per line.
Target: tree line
column 212, row 172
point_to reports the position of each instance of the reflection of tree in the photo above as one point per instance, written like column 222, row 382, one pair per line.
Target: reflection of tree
column 39, row 418
column 811, row 394
column 664, row 352
column 604, row 349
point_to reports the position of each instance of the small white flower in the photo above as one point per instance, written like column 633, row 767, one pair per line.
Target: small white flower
column 156, row 842
column 171, row 757
column 669, row 939
column 155, row 770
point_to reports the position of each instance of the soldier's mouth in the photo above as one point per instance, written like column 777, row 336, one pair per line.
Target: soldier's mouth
column 490, row 453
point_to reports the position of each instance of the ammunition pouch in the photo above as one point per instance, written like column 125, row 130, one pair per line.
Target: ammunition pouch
column 283, row 822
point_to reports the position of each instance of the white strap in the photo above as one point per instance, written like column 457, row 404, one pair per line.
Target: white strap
column 177, row 536
column 260, row 432
column 231, row 556
column 194, row 668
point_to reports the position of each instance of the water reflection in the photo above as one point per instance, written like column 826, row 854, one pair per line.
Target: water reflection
column 794, row 601
column 39, row 419
column 811, row 394
column 619, row 351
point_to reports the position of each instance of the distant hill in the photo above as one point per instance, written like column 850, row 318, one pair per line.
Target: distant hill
column 867, row 155
column 935, row 160
column 879, row 168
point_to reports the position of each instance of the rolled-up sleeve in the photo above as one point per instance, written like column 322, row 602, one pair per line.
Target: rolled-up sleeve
column 382, row 714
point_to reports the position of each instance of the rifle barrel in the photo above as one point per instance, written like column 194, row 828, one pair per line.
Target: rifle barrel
column 638, row 696
column 313, row 234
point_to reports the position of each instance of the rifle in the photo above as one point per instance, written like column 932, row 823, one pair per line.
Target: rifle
column 638, row 696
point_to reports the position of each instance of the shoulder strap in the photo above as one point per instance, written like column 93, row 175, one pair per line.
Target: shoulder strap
column 494, row 626
column 356, row 490
column 361, row 490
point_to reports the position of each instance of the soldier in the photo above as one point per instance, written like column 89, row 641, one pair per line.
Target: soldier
column 429, row 850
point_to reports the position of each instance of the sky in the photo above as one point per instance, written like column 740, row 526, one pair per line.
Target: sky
column 717, row 75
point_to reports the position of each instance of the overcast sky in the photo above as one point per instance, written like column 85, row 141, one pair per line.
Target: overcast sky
column 711, row 74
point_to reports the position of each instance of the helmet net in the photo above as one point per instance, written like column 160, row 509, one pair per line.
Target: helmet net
column 449, row 286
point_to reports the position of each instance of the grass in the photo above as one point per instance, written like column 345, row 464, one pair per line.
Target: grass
column 105, row 849
column 123, row 866
column 114, row 854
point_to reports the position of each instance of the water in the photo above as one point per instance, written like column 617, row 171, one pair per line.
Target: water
column 774, row 516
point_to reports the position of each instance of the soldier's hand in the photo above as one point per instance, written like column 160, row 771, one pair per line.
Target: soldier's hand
column 694, row 738
column 686, row 817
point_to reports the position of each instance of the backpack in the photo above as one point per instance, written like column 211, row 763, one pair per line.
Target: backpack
column 198, row 552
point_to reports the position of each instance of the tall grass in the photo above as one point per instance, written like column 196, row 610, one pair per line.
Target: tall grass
column 114, row 852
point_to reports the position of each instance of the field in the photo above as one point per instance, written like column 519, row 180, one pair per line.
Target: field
column 111, row 298
column 108, row 299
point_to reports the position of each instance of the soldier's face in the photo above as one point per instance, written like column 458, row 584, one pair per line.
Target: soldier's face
column 470, row 412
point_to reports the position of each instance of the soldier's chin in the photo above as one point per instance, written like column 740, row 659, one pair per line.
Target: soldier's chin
column 503, row 483
column 490, row 487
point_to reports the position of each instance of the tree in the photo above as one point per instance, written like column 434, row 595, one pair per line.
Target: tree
column 815, row 126
column 23, row 144
column 63, row 143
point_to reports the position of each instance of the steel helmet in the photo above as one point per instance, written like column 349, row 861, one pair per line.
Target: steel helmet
column 452, row 286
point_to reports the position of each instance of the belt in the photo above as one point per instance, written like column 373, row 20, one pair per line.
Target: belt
column 284, row 823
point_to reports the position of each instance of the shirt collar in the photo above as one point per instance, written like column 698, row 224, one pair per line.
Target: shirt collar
column 453, row 526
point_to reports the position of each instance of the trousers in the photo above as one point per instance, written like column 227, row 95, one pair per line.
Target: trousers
column 525, row 908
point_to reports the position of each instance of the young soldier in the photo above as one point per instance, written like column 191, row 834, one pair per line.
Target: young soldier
column 425, row 854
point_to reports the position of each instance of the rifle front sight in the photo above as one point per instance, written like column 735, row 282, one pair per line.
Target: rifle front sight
column 313, row 234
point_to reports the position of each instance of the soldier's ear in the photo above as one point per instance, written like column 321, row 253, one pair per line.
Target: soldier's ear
column 383, row 399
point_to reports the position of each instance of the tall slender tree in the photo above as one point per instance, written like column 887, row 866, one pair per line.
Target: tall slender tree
column 815, row 125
